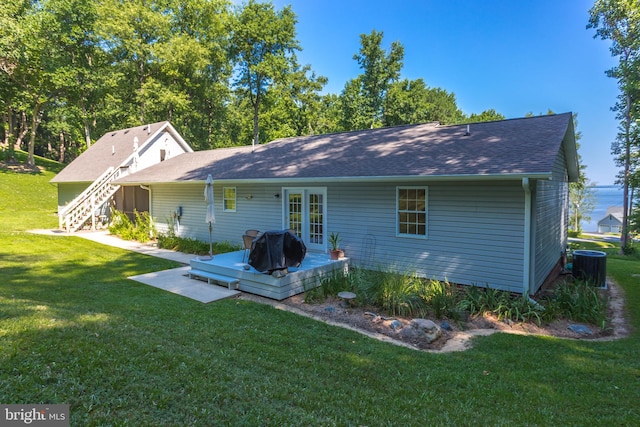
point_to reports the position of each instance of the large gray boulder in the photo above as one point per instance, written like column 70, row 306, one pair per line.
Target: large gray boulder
column 426, row 329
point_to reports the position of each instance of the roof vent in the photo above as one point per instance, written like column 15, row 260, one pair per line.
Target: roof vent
column 468, row 132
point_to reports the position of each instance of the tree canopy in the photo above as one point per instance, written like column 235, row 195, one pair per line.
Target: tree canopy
column 223, row 74
column 619, row 22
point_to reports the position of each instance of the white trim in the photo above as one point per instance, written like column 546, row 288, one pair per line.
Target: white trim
column 305, row 191
column 426, row 211
column 224, row 199
column 399, row 178
column 526, row 273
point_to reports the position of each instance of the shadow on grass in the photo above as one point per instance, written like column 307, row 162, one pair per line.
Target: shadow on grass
column 75, row 330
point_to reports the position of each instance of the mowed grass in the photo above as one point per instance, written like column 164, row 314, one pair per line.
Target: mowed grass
column 74, row 329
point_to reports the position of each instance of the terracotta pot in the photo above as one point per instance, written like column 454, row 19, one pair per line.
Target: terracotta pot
column 336, row 254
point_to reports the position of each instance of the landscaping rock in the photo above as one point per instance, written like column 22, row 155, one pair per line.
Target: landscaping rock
column 427, row 328
column 446, row 326
column 330, row 309
column 409, row 334
column 396, row 325
column 581, row 329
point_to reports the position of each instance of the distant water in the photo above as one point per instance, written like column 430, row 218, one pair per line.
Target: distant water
column 605, row 196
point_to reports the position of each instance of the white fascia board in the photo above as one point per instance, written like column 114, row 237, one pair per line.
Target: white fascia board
column 435, row 178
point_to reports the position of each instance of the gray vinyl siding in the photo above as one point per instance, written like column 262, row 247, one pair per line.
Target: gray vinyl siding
column 262, row 211
column 551, row 222
column 475, row 231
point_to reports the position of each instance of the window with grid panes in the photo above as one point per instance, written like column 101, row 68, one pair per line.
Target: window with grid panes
column 412, row 211
column 229, row 199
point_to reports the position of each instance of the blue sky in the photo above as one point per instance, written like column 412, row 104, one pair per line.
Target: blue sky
column 510, row 55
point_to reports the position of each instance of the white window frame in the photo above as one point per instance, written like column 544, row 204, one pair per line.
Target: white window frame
column 305, row 191
column 426, row 211
column 224, row 199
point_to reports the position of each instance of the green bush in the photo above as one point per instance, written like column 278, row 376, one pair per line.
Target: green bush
column 192, row 246
column 441, row 297
column 578, row 300
column 141, row 230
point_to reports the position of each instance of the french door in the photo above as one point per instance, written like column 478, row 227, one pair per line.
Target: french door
column 305, row 211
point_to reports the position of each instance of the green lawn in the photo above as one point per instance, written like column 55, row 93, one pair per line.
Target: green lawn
column 74, row 329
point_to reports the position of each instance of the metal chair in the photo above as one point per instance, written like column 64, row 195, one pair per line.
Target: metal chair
column 247, row 240
column 253, row 233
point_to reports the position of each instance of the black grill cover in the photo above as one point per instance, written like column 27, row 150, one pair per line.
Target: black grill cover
column 276, row 250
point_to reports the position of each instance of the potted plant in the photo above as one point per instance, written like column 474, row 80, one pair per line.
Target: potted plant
column 334, row 241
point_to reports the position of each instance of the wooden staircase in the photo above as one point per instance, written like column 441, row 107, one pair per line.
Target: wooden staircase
column 83, row 208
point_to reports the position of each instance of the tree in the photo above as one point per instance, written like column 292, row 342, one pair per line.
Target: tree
column 366, row 94
column 486, row 116
column 354, row 114
column 619, row 22
column 409, row 102
column 582, row 199
column 28, row 59
column 263, row 45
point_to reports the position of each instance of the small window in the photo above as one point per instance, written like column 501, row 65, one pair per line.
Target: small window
column 229, row 199
column 412, row 211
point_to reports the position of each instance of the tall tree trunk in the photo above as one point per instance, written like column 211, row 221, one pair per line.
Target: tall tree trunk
column 87, row 129
column 627, row 173
column 23, row 130
column 256, row 141
column 35, row 122
column 62, row 148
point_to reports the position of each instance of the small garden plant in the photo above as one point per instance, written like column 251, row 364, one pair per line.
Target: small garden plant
column 408, row 295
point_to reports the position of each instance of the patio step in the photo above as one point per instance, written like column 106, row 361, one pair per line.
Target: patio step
column 218, row 279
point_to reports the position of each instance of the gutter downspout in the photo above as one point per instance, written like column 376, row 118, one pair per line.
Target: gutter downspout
column 526, row 274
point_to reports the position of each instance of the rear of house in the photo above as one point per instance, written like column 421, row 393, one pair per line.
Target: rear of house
column 483, row 205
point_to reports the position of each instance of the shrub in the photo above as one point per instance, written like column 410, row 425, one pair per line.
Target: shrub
column 503, row 304
column 141, row 230
column 578, row 300
column 397, row 294
column 192, row 246
column 442, row 298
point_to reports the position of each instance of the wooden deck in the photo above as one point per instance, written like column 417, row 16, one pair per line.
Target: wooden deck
column 230, row 267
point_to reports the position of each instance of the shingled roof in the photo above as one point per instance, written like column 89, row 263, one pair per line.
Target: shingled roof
column 113, row 149
column 501, row 149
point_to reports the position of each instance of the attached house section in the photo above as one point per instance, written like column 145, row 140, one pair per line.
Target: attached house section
column 484, row 204
column 473, row 230
column 85, row 189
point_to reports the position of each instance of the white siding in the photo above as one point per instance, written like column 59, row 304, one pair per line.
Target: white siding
column 150, row 154
column 475, row 231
